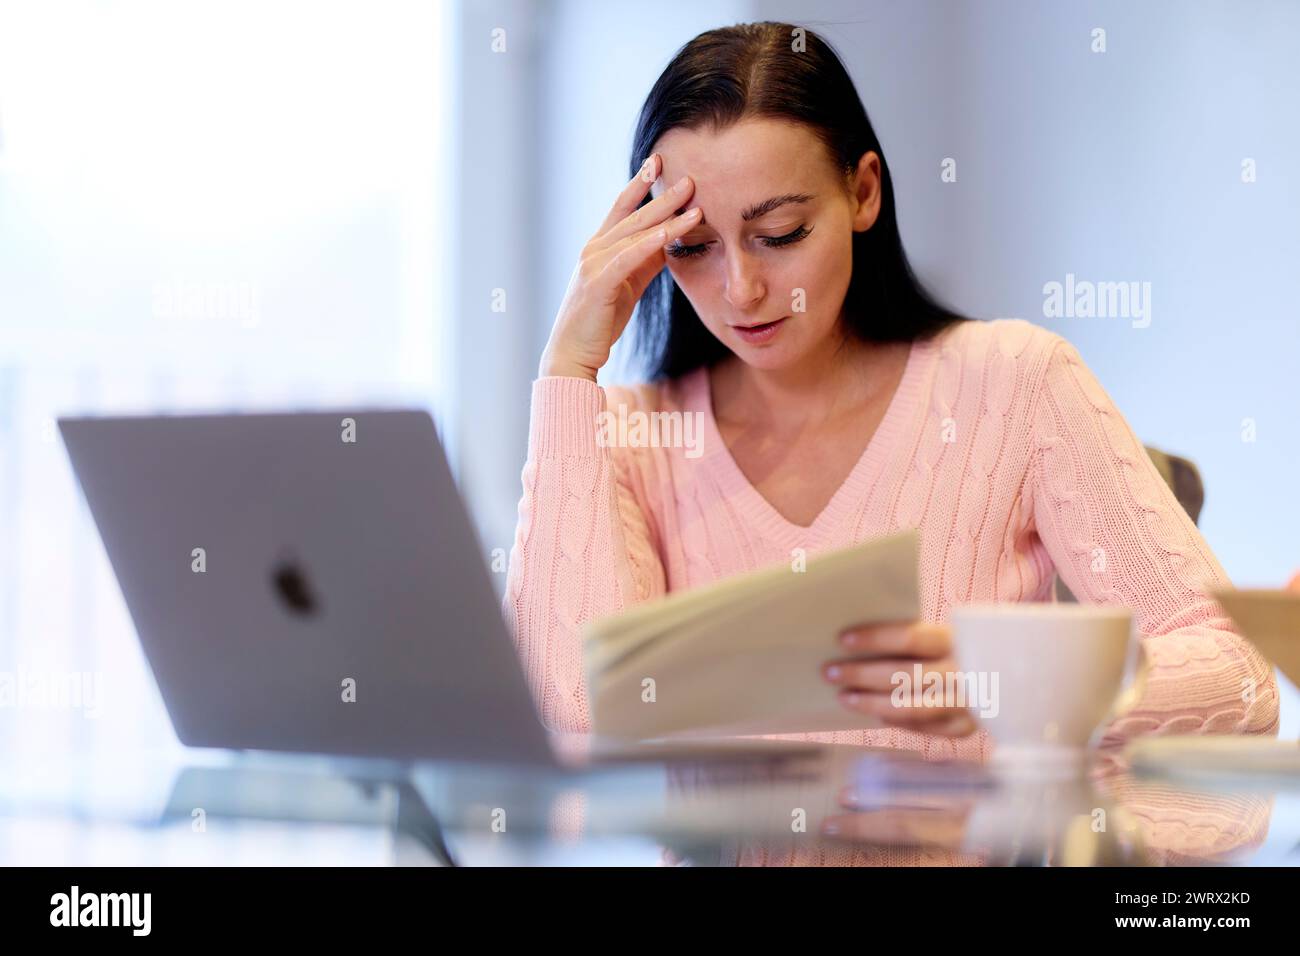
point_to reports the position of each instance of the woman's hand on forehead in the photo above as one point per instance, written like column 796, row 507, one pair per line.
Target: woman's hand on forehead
column 662, row 184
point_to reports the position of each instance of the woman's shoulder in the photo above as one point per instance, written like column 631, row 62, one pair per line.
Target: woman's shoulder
column 982, row 339
column 1001, row 364
column 1011, row 352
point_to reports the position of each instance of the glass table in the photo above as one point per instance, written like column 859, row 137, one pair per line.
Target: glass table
column 832, row 805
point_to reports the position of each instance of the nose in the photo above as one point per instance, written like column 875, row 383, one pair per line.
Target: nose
column 744, row 281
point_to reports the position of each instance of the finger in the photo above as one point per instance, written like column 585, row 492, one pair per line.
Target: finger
column 927, row 721
column 651, row 214
column 885, row 708
column 632, row 194
column 901, row 639
column 633, row 252
column 644, row 274
column 671, row 858
column 959, row 725
column 954, row 725
column 884, row 674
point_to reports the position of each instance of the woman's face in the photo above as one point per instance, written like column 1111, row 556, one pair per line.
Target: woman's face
column 769, row 263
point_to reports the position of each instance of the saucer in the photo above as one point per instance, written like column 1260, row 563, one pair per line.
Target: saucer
column 1227, row 760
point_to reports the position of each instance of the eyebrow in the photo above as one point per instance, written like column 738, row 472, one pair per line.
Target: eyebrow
column 767, row 205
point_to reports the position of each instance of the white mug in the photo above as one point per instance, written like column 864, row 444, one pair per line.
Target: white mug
column 1055, row 671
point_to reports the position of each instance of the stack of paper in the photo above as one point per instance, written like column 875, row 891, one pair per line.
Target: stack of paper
column 745, row 655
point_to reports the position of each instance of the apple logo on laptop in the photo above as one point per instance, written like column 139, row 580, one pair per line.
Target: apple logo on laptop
column 293, row 589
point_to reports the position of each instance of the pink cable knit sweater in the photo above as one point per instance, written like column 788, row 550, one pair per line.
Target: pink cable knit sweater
column 999, row 445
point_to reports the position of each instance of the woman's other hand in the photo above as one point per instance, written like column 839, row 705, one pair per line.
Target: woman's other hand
column 865, row 677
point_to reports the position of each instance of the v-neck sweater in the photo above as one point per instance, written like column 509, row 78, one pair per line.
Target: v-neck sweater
column 999, row 445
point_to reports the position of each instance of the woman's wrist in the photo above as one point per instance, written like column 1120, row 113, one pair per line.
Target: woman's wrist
column 557, row 366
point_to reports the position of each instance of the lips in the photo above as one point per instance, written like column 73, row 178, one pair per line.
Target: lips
column 761, row 333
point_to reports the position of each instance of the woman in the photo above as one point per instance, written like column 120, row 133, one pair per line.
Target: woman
column 838, row 402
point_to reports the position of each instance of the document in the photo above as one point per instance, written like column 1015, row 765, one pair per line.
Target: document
column 744, row 655
column 1271, row 621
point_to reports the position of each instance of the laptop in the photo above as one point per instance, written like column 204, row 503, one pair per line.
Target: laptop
column 312, row 583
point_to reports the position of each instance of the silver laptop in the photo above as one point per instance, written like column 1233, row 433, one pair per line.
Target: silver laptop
column 311, row 583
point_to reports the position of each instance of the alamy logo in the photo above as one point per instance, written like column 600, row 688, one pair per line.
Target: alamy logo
column 102, row 909
column 41, row 690
column 972, row 689
column 1084, row 299
column 192, row 301
column 638, row 429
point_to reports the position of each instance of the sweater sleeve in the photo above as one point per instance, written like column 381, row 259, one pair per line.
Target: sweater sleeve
column 582, row 549
column 1118, row 536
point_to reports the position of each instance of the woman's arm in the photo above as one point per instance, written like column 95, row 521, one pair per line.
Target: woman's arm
column 582, row 549
column 1119, row 536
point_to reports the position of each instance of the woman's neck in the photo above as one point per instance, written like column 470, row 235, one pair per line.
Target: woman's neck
column 840, row 378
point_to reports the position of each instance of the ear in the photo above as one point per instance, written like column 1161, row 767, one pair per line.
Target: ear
column 865, row 190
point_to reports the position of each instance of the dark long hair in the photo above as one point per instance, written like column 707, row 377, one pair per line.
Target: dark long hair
column 753, row 70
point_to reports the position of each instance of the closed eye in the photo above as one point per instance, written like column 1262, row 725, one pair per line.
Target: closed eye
column 679, row 250
column 787, row 239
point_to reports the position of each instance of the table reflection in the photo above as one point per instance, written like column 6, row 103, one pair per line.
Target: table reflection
column 892, row 809
column 835, row 805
